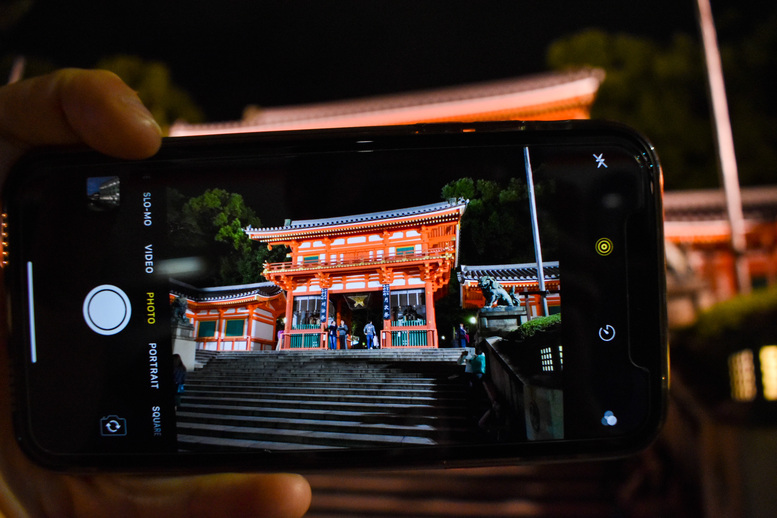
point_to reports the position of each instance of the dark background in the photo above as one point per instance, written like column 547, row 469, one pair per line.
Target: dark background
column 239, row 52
column 202, row 61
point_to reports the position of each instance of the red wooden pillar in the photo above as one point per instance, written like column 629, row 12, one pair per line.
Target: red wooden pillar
column 289, row 320
column 249, row 332
column 386, row 333
column 431, row 319
column 219, row 329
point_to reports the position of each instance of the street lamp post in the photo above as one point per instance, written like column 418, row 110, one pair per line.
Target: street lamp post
column 725, row 143
column 535, row 228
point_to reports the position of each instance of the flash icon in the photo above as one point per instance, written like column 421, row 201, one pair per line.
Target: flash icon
column 600, row 160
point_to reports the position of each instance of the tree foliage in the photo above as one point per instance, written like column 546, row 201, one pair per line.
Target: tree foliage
column 661, row 89
column 750, row 66
column 658, row 89
column 496, row 226
column 152, row 80
column 211, row 226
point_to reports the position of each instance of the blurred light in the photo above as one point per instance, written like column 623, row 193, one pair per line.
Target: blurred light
column 742, row 374
column 473, row 320
column 768, row 357
column 181, row 266
column 546, row 357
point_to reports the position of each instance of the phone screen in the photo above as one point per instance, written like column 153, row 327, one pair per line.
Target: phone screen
column 433, row 296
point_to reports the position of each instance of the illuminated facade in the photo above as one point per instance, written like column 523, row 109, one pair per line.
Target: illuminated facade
column 522, row 278
column 702, row 265
column 231, row 318
column 401, row 259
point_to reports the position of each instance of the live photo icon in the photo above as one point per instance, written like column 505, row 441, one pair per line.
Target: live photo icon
column 609, row 419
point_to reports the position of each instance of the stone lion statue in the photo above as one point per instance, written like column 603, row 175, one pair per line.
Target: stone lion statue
column 179, row 306
column 495, row 294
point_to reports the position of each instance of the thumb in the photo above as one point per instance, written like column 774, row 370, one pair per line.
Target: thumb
column 69, row 106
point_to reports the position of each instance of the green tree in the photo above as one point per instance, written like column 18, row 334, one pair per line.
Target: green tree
column 152, row 80
column 213, row 222
column 750, row 66
column 11, row 11
column 659, row 89
column 496, row 226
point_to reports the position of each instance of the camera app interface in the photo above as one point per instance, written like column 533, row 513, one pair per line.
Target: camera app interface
column 377, row 299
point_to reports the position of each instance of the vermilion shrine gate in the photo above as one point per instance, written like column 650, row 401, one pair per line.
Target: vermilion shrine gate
column 403, row 256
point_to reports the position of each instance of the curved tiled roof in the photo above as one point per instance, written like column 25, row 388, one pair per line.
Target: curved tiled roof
column 224, row 293
column 758, row 204
column 516, row 98
column 510, row 272
column 384, row 218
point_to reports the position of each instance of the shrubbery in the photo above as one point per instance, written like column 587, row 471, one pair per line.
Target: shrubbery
column 539, row 324
column 700, row 352
column 732, row 325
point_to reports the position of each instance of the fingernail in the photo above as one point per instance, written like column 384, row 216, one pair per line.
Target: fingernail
column 141, row 113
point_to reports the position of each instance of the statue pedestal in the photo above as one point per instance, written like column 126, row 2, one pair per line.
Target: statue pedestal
column 500, row 319
column 183, row 342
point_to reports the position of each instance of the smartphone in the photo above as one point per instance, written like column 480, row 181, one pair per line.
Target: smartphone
column 426, row 295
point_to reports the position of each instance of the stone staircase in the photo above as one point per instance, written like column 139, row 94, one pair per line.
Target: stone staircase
column 325, row 399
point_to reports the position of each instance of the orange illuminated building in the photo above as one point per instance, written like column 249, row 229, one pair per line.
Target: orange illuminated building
column 232, row 318
column 701, row 263
column 548, row 96
column 521, row 279
column 401, row 260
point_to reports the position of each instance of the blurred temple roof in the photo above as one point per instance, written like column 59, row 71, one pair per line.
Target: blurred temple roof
column 548, row 96
column 699, row 216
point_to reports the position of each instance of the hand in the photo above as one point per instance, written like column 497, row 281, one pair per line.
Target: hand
column 97, row 108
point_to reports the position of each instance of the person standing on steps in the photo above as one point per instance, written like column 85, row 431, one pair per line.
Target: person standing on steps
column 369, row 333
column 462, row 337
column 342, row 332
column 332, row 333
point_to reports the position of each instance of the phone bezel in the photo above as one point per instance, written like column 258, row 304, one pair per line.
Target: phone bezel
column 215, row 148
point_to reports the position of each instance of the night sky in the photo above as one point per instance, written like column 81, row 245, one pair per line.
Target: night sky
column 238, row 52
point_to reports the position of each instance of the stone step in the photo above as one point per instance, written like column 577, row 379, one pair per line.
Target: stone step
column 351, row 389
column 354, row 363
column 375, row 415
column 325, row 399
column 323, row 372
column 324, row 375
column 377, row 398
column 427, row 407
column 320, row 370
column 304, row 438
column 446, row 431
column 314, row 360
column 345, row 384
